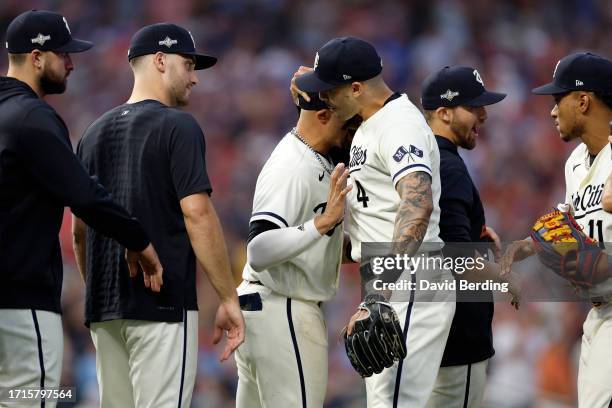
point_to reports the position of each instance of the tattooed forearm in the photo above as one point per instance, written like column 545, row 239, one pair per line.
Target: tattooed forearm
column 413, row 213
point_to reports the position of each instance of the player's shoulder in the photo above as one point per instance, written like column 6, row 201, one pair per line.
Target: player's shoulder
column 286, row 153
column 576, row 157
column 39, row 115
column 285, row 163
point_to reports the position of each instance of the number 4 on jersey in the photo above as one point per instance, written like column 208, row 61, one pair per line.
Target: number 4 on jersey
column 362, row 197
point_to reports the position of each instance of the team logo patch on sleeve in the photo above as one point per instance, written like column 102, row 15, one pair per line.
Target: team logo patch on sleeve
column 416, row 151
column 400, row 153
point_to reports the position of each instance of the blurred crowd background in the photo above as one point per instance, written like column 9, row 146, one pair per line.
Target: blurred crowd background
column 243, row 105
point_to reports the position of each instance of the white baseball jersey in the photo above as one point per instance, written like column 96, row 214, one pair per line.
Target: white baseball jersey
column 584, row 189
column 291, row 189
column 392, row 143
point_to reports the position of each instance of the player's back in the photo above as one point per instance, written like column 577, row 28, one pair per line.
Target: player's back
column 148, row 156
column 392, row 143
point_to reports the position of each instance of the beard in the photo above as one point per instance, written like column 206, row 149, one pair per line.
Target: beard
column 50, row 83
column 463, row 132
column 179, row 94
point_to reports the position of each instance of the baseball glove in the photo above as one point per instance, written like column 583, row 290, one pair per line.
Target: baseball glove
column 563, row 247
column 377, row 340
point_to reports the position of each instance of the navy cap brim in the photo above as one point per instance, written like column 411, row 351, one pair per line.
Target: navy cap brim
column 486, row 98
column 310, row 82
column 75, row 45
column 203, row 61
column 549, row 89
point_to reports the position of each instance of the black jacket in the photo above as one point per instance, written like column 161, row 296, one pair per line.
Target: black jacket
column 39, row 176
column 462, row 220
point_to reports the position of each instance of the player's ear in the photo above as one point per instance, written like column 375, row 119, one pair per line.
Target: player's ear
column 444, row 114
column 357, row 88
column 37, row 58
column 324, row 115
column 584, row 101
column 159, row 60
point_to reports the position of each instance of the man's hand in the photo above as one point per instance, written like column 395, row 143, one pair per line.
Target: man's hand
column 334, row 210
column 151, row 267
column 517, row 251
column 295, row 91
column 229, row 319
column 492, row 235
column 360, row 314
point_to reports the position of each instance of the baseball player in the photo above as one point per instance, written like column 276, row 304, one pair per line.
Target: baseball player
column 394, row 171
column 39, row 176
column 454, row 100
column 606, row 199
column 294, row 253
column 582, row 91
column 151, row 156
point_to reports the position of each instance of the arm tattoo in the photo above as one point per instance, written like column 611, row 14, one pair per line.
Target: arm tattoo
column 413, row 213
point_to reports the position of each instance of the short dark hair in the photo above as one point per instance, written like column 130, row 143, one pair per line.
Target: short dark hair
column 606, row 98
column 429, row 114
column 17, row 59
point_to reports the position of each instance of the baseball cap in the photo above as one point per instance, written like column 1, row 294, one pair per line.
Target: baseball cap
column 315, row 103
column 341, row 61
column 42, row 30
column 456, row 86
column 170, row 39
column 581, row 71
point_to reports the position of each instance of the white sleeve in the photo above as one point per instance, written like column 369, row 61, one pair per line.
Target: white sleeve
column 404, row 149
column 276, row 246
column 567, row 205
column 279, row 197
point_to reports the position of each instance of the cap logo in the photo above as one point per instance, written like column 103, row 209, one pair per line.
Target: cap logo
column 579, row 82
column 449, row 95
column 556, row 66
column 168, row 42
column 40, row 39
column 345, row 77
column 316, row 61
column 66, row 23
column 478, row 77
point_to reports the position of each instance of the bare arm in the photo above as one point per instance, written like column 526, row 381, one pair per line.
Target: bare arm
column 206, row 236
column 79, row 243
column 413, row 213
column 208, row 242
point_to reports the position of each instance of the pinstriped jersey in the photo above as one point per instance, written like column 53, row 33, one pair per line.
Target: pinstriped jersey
column 584, row 183
column 392, row 143
column 292, row 189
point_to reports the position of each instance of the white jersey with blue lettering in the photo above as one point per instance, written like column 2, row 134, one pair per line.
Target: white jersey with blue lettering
column 584, row 190
column 291, row 189
column 392, row 143
column 585, row 181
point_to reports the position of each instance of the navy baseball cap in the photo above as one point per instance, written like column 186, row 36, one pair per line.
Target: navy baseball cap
column 44, row 31
column 170, row 39
column 315, row 103
column 582, row 71
column 456, row 86
column 341, row 61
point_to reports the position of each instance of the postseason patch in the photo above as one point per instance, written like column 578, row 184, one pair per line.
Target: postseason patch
column 400, row 153
column 416, row 151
